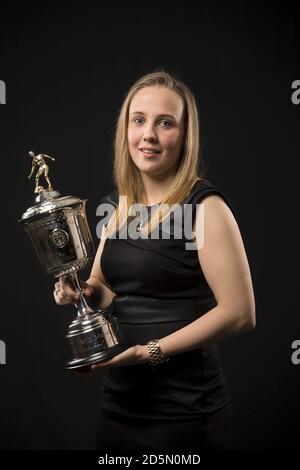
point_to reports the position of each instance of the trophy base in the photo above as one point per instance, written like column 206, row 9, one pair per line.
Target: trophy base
column 101, row 356
column 93, row 338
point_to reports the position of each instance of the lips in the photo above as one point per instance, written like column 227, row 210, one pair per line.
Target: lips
column 149, row 152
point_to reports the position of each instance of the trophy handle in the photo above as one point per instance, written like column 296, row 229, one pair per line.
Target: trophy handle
column 81, row 305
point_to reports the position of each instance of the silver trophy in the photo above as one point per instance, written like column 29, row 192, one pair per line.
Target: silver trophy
column 61, row 237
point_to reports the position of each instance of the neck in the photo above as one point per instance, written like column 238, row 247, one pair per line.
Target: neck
column 156, row 188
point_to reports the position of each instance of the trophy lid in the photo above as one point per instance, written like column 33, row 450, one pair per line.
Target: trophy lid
column 47, row 200
column 50, row 204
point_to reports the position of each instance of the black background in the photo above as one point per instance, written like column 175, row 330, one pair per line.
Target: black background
column 67, row 67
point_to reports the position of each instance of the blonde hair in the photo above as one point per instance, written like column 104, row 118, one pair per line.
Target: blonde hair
column 127, row 176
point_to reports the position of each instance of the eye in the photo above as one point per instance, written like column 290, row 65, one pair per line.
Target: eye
column 165, row 123
column 138, row 120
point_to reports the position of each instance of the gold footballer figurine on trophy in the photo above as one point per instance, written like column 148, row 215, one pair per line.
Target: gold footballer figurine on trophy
column 43, row 170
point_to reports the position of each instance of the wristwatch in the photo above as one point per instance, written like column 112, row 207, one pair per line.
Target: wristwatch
column 155, row 354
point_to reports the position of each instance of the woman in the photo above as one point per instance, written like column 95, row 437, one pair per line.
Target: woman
column 173, row 302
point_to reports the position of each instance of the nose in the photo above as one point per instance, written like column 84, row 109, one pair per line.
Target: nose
column 149, row 134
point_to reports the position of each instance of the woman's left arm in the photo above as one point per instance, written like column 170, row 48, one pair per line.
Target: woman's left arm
column 225, row 266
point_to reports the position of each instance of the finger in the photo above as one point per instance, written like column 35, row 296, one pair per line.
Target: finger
column 67, row 290
column 66, row 281
column 63, row 298
column 63, row 282
column 102, row 364
column 57, row 298
column 88, row 291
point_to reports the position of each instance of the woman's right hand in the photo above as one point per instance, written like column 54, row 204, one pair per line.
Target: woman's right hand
column 64, row 292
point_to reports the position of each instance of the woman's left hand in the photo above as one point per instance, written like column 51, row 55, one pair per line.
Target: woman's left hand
column 132, row 356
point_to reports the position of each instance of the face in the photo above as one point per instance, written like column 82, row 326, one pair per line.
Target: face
column 156, row 130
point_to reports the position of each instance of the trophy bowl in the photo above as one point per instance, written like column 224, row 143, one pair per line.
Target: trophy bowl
column 61, row 237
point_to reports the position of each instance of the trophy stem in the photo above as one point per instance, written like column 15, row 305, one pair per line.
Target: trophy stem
column 82, row 306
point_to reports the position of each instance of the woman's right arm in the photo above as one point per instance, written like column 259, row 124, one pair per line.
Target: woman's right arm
column 104, row 295
column 98, row 294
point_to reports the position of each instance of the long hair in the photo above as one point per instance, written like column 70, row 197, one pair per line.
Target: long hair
column 127, row 177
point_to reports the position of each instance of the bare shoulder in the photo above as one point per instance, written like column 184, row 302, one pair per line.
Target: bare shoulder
column 216, row 217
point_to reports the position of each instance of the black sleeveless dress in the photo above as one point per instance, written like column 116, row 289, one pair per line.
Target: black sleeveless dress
column 161, row 288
